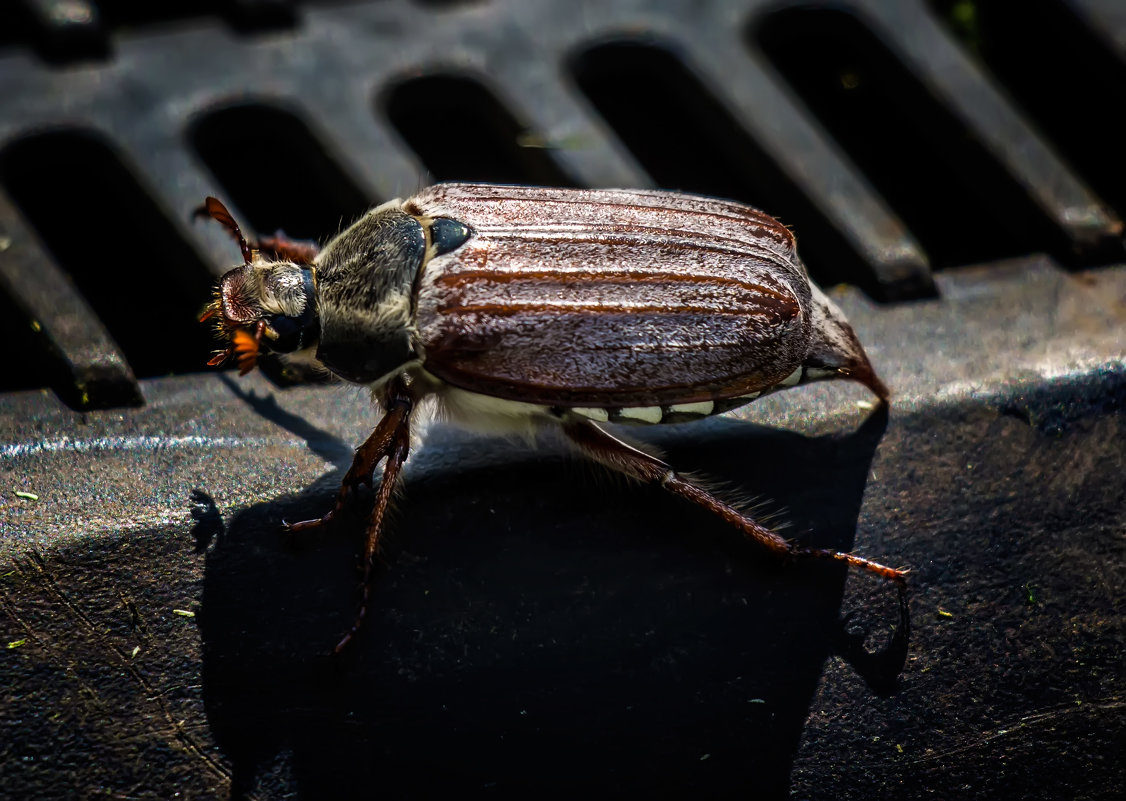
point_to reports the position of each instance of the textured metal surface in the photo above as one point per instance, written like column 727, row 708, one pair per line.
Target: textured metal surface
column 155, row 88
column 540, row 630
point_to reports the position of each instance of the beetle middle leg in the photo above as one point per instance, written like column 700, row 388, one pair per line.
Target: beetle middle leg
column 607, row 449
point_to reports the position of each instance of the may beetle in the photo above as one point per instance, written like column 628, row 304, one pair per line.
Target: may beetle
column 522, row 306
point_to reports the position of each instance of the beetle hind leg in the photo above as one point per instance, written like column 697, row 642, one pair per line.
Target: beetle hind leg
column 607, row 449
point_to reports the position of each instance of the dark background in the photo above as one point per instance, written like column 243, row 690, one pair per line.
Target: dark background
column 541, row 629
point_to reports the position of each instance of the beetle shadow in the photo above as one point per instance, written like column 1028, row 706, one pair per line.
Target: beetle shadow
column 537, row 631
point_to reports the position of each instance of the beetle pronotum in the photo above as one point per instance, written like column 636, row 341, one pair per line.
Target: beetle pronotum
column 522, row 306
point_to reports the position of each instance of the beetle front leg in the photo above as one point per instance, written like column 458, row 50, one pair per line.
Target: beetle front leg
column 396, row 457
column 394, row 425
column 378, row 445
column 607, row 449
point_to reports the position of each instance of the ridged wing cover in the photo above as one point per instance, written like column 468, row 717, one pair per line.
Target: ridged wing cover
column 609, row 297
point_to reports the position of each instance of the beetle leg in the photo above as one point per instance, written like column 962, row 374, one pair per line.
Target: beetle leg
column 378, row 445
column 396, row 457
column 391, row 439
column 607, row 449
column 295, row 250
column 393, row 426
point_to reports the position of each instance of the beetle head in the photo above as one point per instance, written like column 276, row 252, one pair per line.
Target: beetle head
column 263, row 303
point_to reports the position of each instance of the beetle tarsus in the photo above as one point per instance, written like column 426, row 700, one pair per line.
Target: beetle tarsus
column 892, row 574
column 361, row 614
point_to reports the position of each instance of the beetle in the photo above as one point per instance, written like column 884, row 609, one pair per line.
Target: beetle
column 518, row 307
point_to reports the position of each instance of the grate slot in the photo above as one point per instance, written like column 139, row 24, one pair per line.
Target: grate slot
column 445, row 4
column 66, row 31
column 670, row 121
column 276, row 172
column 903, row 139
column 685, row 139
column 490, row 144
column 56, row 340
column 13, row 26
column 119, row 14
column 1074, row 97
column 244, row 15
column 63, row 30
column 130, row 264
column 28, row 358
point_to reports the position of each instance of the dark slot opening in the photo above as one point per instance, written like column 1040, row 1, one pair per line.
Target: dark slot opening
column 144, row 281
column 960, row 203
column 685, row 139
column 461, row 132
column 128, row 13
column 28, row 361
column 65, row 32
column 60, row 32
column 447, row 3
column 14, row 25
column 273, row 168
column 1061, row 73
column 243, row 15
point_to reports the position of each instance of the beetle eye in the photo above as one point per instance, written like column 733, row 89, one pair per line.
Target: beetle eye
column 447, row 234
column 238, row 297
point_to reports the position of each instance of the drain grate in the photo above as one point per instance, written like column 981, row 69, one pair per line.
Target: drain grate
column 899, row 173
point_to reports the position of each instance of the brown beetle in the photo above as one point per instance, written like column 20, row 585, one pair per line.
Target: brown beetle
column 523, row 306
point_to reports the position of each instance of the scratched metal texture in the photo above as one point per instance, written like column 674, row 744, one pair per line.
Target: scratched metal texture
column 540, row 629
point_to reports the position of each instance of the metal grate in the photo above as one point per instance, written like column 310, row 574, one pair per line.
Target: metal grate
column 622, row 95
column 956, row 163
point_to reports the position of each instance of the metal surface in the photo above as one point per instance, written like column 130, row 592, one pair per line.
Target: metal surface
column 540, row 630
